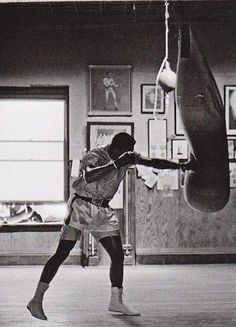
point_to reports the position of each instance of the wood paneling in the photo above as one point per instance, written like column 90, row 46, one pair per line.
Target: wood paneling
column 168, row 224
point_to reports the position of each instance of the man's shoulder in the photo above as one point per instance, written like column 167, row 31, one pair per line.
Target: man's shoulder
column 96, row 156
column 97, row 152
column 100, row 149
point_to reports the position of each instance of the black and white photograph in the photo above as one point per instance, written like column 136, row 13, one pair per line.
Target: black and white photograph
column 157, row 138
column 117, row 163
column 232, row 148
column 148, row 94
column 179, row 130
column 179, row 149
column 101, row 133
column 110, row 90
column 230, row 108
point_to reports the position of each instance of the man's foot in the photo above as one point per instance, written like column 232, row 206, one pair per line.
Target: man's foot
column 122, row 308
column 117, row 305
column 36, row 309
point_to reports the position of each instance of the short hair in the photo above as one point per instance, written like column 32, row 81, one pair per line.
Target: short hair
column 121, row 139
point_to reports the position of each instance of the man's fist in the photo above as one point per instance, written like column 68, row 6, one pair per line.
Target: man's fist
column 190, row 165
column 127, row 158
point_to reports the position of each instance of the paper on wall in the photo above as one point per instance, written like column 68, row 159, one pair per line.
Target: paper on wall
column 151, row 180
column 75, row 168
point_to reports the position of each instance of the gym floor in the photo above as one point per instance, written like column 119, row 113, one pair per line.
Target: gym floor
column 166, row 296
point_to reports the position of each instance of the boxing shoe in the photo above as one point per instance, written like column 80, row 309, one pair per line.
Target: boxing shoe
column 35, row 305
column 117, row 305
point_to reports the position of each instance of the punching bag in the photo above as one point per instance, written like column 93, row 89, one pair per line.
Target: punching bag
column 167, row 80
column 203, row 118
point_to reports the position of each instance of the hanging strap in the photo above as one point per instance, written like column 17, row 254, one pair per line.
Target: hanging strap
column 165, row 62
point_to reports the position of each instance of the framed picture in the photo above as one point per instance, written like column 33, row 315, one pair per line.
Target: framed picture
column 231, row 149
column 230, row 108
column 157, row 138
column 101, row 133
column 179, row 149
column 232, row 174
column 110, row 90
column 148, row 99
column 179, row 131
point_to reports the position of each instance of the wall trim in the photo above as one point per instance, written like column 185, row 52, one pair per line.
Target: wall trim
column 40, row 259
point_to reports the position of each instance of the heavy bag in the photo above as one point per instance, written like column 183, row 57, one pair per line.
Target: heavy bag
column 203, row 119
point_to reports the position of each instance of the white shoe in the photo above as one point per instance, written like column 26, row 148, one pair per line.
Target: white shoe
column 117, row 305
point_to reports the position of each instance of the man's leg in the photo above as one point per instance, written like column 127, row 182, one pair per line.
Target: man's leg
column 106, row 98
column 113, row 246
column 113, row 93
column 49, row 271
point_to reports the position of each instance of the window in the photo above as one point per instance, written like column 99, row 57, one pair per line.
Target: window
column 33, row 144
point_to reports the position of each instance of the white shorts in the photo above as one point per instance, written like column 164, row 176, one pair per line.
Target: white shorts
column 69, row 233
column 85, row 216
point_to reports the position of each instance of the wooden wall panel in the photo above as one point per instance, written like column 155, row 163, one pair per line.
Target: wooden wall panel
column 168, row 224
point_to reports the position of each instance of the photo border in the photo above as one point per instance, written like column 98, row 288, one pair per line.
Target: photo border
column 128, row 126
column 126, row 92
column 160, row 110
column 157, row 138
column 227, row 89
column 174, row 141
column 177, row 123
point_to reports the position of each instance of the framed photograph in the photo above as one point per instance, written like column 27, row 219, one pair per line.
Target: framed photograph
column 179, row 131
column 157, row 138
column 110, row 90
column 101, row 133
column 231, row 149
column 232, row 174
column 179, row 149
column 230, row 108
column 148, row 99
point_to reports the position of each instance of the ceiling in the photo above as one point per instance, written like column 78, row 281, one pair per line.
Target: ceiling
column 47, row 15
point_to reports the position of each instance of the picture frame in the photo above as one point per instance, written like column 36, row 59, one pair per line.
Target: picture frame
column 157, row 138
column 148, row 99
column 231, row 148
column 109, row 90
column 230, row 108
column 179, row 131
column 232, row 174
column 179, row 149
column 101, row 133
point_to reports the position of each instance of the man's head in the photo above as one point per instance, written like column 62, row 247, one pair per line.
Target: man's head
column 122, row 142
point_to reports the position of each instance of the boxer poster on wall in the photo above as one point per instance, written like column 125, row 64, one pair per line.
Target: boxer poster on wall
column 109, row 89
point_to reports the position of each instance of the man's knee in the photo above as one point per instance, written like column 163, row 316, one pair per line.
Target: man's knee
column 64, row 249
column 118, row 257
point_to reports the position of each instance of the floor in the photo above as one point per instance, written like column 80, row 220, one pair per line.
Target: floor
column 185, row 296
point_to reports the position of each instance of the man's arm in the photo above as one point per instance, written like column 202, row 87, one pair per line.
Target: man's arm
column 92, row 173
column 165, row 164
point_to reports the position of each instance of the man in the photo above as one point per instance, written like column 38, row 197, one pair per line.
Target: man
column 110, row 85
column 101, row 172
